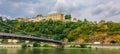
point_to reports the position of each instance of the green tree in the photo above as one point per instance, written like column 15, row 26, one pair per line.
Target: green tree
column 1, row 20
column 68, row 16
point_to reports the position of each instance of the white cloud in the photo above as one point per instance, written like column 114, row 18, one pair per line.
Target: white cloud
column 28, row 8
column 31, row 11
column 93, row 10
column 5, row 16
column 106, row 11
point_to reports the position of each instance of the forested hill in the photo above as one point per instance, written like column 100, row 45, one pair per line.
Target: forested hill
column 59, row 30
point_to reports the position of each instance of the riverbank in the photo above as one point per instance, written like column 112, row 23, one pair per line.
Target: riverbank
column 67, row 46
column 10, row 46
column 117, row 47
column 94, row 46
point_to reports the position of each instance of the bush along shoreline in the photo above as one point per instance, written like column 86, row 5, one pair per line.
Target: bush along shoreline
column 37, row 45
column 80, row 46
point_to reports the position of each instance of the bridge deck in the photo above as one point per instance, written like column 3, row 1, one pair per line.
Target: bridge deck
column 16, row 36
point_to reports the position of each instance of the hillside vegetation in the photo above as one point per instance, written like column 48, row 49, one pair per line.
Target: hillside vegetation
column 64, row 31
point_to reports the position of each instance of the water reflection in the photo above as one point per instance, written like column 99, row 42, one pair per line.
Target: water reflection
column 57, row 51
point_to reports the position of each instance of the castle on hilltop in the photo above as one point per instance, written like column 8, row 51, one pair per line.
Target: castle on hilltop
column 40, row 17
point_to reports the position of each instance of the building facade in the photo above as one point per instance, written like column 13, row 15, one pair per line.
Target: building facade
column 39, row 17
column 55, row 17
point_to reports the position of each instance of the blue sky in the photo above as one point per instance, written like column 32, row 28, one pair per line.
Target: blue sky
column 93, row 10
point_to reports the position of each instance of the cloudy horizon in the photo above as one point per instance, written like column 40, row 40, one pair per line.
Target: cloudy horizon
column 92, row 10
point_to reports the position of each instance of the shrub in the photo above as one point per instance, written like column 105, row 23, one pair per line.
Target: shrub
column 74, row 46
column 24, row 45
column 45, row 45
column 36, row 45
column 83, row 45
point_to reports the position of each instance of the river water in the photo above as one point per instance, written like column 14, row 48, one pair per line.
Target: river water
column 57, row 51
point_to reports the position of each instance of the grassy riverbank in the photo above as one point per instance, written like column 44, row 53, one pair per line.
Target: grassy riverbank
column 81, row 46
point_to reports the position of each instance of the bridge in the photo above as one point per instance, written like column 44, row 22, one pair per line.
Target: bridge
column 58, row 43
column 25, row 37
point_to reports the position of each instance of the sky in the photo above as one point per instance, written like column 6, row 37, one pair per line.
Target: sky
column 92, row 10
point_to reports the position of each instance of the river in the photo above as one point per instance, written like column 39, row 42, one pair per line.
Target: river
column 57, row 51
